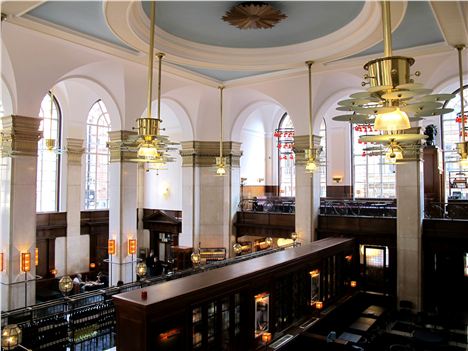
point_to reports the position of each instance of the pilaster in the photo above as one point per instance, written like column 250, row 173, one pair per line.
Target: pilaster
column 410, row 207
column 209, row 201
column 76, row 248
column 18, row 169
column 307, row 191
column 123, row 204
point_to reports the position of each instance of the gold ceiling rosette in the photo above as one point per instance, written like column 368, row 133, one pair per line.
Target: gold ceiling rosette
column 253, row 15
column 392, row 100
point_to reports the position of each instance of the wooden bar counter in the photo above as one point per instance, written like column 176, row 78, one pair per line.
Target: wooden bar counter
column 216, row 309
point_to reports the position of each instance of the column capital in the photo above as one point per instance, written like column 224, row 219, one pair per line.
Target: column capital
column 75, row 150
column 115, row 145
column 19, row 135
column 301, row 143
column 203, row 153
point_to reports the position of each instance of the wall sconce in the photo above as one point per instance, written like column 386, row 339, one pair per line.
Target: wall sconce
column 53, row 271
column 337, row 179
column 92, row 265
column 349, row 258
column 25, row 262
column 111, row 247
column 166, row 192
column 36, row 257
column 260, row 180
column 266, row 337
column 2, row 267
column 353, row 283
column 132, row 246
column 318, row 305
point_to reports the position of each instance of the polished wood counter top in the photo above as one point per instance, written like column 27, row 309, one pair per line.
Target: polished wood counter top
column 233, row 273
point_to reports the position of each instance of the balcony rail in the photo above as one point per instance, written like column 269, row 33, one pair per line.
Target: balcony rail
column 278, row 204
column 370, row 208
column 446, row 210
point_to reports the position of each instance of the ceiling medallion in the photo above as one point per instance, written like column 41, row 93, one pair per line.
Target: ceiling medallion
column 253, row 15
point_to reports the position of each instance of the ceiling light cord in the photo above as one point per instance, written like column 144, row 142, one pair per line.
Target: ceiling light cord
column 160, row 56
column 150, row 61
column 309, row 64
column 462, row 102
column 387, row 28
column 51, row 112
column 221, row 88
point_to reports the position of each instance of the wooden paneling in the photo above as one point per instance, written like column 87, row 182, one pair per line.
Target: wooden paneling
column 250, row 191
column 272, row 224
column 434, row 186
column 173, row 300
column 339, row 192
column 96, row 225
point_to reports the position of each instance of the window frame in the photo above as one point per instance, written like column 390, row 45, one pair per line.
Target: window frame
column 293, row 167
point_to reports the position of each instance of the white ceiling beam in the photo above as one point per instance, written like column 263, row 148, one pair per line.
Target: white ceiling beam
column 19, row 8
column 452, row 21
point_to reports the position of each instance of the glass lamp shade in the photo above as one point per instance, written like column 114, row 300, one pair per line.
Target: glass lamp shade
column 311, row 166
column 147, row 151
column 195, row 257
column 220, row 166
column 11, row 337
column 392, row 121
column 464, row 163
column 237, row 248
column 141, row 269
column 65, row 284
column 393, row 155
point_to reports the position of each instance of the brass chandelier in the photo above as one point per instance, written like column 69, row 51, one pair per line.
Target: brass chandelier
column 392, row 97
column 462, row 146
column 221, row 161
column 311, row 154
column 153, row 147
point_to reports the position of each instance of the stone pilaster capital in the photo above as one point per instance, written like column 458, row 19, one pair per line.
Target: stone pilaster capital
column 19, row 135
column 204, row 153
column 118, row 152
column 75, row 150
column 301, row 143
column 412, row 152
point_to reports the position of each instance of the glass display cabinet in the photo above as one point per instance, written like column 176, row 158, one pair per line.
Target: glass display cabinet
column 262, row 313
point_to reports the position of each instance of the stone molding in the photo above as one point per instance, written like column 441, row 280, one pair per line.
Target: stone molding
column 203, row 153
column 301, row 142
column 75, row 150
column 118, row 152
column 19, row 136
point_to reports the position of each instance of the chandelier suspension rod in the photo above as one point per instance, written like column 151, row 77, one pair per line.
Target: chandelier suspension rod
column 51, row 112
column 462, row 98
column 387, row 28
column 221, row 88
column 160, row 56
column 150, row 61
column 309, row 64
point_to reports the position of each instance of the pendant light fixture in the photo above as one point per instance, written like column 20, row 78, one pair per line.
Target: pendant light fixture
column 221, row 161
column 392, row 95
column 312, row 153
column 462, row 146
column 153, row 147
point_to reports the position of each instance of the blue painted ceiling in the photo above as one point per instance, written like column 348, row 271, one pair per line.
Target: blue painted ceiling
column 200, row 21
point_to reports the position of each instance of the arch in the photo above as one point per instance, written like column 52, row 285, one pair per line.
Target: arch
column 6, row 100
column 103, row 93
column 247, row 111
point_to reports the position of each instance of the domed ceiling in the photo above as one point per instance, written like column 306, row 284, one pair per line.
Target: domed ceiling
column 195, row 38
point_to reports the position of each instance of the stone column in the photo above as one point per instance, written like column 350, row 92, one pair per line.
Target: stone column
column 123, row 204
column 209, row 201
column 75, row 253
column 410, row 214
column 18, row 169
column 307, row 192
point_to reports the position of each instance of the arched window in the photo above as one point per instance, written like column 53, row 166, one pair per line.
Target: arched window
column 373, row 176
column 451, row 134
column 97, row 157
column 286, row 169
column 48, row 161
column 323, row 159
